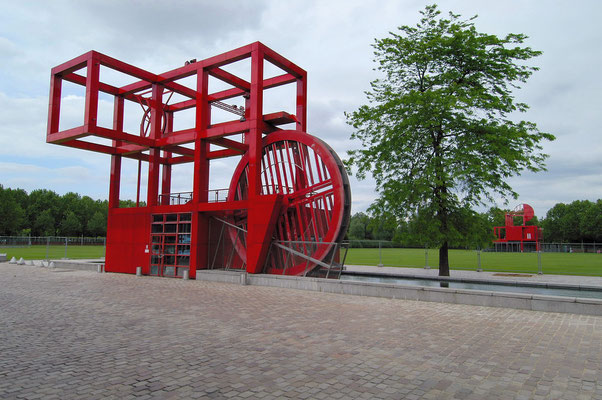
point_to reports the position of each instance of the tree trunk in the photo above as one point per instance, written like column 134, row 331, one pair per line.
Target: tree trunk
column 443, row 260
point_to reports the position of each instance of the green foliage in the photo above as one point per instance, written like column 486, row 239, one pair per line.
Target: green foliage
column 71, row 226
column 12, row 216
column 579, row 221
column 439, row 134
column 97, row 225
column 44, row 202
column 45, row 224
column 45, row 213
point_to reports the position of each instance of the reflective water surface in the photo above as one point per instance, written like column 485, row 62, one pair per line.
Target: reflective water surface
column 493, row 287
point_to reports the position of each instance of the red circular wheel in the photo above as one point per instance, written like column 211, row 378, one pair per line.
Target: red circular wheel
column 317, row 200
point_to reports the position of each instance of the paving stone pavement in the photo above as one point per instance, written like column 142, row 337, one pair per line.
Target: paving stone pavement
column 83, row 335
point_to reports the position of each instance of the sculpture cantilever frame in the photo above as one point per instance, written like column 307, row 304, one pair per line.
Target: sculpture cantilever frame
column 288, row 186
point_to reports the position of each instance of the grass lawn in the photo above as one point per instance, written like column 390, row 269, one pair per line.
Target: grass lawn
column 552, row 263
column 38, row 252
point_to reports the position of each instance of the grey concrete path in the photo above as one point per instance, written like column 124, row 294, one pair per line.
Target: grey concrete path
column 84, row 335
column 485, row 275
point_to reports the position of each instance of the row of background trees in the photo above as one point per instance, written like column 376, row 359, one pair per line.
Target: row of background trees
column 579, row 221
column 45, row 213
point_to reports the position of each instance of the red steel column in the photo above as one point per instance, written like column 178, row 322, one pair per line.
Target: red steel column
column 92, row 83
column 152, row 189
column 302, row 103
column 200, row 190
column 201, row 146
column 115, row 183
column 256, row 118
column 54, row 107
column 166, row 169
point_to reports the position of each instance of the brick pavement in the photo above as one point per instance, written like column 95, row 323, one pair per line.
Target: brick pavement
column 77, row 334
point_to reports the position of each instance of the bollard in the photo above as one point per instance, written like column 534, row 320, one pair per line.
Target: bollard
column 185, row 275
column 426, row 258
column 138, row 271
column 479, row 269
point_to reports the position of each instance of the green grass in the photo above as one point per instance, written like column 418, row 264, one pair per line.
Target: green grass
column 552, row 263
column 38, row 252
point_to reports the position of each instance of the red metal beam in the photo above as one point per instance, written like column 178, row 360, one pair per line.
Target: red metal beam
column 180, row 160
column 72, row 65
column 222, row 154
column 229, row 78
column 230, row 144
column 66, row 135
column 281, row 62
column 180, row 150
column 126, row 137
column 99, row 148
column 129, row 148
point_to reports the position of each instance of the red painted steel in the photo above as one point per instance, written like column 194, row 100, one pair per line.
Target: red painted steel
column 519, row 234
column 294, row 185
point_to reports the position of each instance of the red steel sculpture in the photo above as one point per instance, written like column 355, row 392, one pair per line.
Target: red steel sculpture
column 520, row 235
column 288, row 203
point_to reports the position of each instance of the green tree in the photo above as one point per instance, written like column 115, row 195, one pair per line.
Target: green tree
column 12, row 216
column 45, row 224
column 358, row 226
column 70, row 226
column 40, row 201
column 97, row 225
column 591, row 222
column 439, row 134
column 383, row 226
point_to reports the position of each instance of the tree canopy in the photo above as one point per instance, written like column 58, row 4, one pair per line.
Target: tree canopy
column 45, row 213
column 440, row 132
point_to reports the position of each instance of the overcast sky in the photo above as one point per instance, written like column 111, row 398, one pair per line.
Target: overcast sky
column 331, row 39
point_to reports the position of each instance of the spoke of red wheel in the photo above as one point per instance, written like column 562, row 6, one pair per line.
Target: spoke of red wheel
column 277, row 167
column 306, row 164
column 311, row 189
column 328, row 200
column 265, row 181
column 326, row 174
column 322, row 223
column 290, row 163
column 317, row 220
column 318, row 166
column 300, row 218
column 283, row 169
column 305, row 200
column 273, row 170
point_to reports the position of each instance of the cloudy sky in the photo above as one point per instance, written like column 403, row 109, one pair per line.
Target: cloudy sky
column 331, row 39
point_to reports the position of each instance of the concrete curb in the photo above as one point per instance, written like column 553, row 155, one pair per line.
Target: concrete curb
column 77, row 265
column 521, row 301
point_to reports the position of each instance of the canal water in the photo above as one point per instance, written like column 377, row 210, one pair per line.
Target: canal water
column 480, row 285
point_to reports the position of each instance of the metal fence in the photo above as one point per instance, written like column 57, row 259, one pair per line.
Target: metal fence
column 554, row 258
column 52, row 247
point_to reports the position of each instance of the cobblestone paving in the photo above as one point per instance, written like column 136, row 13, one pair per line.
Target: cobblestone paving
column 83, row 335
